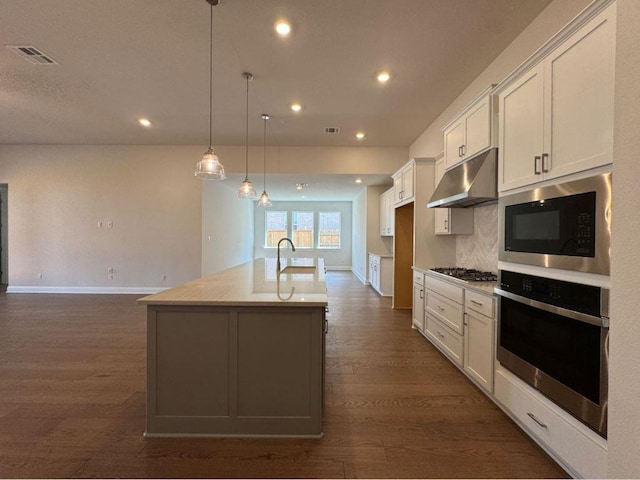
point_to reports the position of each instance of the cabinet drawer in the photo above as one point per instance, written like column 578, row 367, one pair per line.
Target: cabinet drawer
column 446, row 289
column 448, row 312
column 479, row 303
column 418, row 278
column 445, row 338
column 576, row 445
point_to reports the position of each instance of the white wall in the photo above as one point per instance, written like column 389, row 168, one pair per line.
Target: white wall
column 3, row 233
column 227, row 227
column 624, row 351
column 340, row 258
column 359, row 239
column 58, row 194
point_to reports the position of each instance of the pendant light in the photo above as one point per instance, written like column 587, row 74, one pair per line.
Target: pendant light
column 209, row 167
column 246, row 189
column 264, row 200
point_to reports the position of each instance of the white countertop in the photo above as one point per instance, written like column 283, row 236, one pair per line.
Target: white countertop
column 255, row 283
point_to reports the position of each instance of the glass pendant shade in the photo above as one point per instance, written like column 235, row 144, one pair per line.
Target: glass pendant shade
column 210, row 168
column 246, row 189
column 264, row 200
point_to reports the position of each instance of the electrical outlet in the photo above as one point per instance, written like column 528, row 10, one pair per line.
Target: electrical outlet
column 110, row 224
column 40, row 276
column 110, row 270
column 99, row 224
column 164, row 277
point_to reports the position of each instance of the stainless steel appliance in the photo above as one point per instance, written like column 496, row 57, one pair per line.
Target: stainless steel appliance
column 466, row 274
column 566, row 226
column 554, row 335
column 472, row 183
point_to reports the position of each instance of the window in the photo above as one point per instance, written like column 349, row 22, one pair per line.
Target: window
column 302, row 229
column 275, row 227
column 329, row 229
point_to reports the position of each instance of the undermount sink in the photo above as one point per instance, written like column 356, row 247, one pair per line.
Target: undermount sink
column 299, row 269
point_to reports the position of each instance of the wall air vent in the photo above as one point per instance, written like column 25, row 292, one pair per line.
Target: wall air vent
column 332, row 130
column 32, row 55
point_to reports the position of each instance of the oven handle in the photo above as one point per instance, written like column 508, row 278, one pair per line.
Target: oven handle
column 602, row 322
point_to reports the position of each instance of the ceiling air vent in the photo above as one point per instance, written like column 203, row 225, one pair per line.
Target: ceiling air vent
column 332, row 130
column 32, row 55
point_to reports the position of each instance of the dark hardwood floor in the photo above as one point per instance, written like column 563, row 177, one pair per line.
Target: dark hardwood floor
column 72, row 402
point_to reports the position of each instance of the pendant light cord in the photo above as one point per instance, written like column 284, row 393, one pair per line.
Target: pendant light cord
column 264, row 151
column 211, row 80
column 246, row 139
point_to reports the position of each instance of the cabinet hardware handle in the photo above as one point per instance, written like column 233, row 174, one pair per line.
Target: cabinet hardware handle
column 545, row 157
column 421, row 294
column 460, row 151
column 464, row 322
column 326, row 326
column 536, row 159
column 446, row 224
column 476, row 303
column 533, row 417
column 464, row 150
column 440, row 308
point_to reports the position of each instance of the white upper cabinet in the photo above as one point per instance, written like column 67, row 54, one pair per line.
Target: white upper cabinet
column 403, row 184
column 556, row 118
column 387, row 213
column 471, row 131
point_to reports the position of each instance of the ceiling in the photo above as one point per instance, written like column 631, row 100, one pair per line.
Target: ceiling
column 119, row 60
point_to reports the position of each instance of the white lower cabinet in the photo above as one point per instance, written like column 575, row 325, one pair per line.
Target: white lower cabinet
column 381, row 274
column 578, row 449
column 418, row 320
column 448, row 341
column 479, row 338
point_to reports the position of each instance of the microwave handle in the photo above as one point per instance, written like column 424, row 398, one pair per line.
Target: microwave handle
column 602, row 322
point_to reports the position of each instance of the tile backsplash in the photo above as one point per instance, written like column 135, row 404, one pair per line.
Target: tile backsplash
column 480, row 250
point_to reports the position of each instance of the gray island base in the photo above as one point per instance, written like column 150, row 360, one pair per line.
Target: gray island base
column 238, row 354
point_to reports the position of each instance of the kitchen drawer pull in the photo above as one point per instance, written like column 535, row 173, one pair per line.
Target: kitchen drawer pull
column 464, row 150
column 421, row 293
column 536, row 159
column 440, row 308
column 460, row 151
column 533, row 417
column 476, row 303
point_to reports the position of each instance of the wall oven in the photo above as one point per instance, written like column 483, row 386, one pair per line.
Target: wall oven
column 554, row 335
column 566, row 226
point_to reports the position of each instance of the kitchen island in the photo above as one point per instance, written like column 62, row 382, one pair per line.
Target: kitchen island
column 239, row 353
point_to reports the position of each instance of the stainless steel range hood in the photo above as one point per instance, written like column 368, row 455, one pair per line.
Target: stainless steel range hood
column 473, row 183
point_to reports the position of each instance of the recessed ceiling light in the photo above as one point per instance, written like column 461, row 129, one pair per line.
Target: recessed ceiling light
column 283, row 28
column 358, row 180
column 145, row 122
column 300, row 186
column 296, row 107
column 303, row 196
column 360, row 135
column 383, row 77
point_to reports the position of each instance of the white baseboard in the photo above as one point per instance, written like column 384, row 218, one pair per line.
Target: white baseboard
column 338, row 267
column 87, row 290
column 359, row 277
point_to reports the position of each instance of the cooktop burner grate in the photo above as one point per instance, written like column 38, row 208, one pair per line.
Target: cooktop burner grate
column 467, row 274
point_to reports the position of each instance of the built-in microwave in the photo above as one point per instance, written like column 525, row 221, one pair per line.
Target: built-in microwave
column 566, row 226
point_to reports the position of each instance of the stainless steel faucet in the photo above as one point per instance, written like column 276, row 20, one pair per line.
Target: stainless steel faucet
column 293, row 249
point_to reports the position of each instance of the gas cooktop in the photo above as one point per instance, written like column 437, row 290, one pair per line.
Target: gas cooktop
column 466, row 274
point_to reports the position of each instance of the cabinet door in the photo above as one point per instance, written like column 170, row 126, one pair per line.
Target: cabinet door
column 418, row 306
column 521, row 131
column 407, row 182
column 579, row 93
column 477, row 129
column 478, row 348
column 397, row 188
column 391, row 214
column 453, row 141
column 383, row 214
